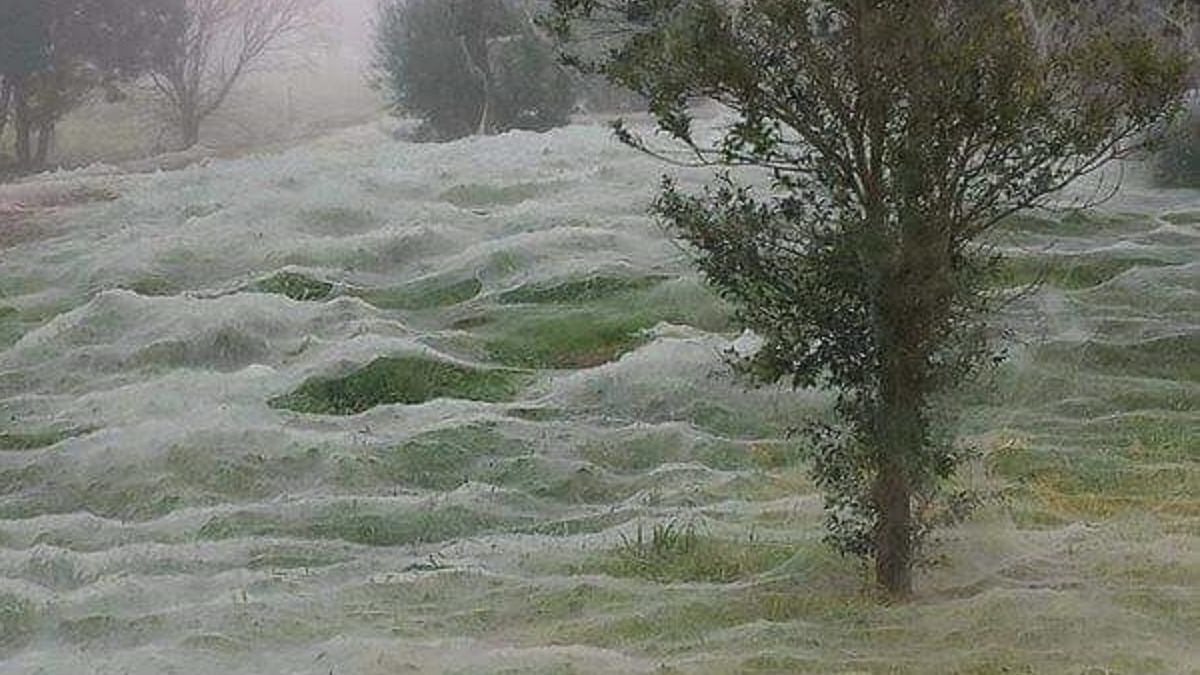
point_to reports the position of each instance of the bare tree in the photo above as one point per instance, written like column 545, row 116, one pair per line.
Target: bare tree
column 212, row 44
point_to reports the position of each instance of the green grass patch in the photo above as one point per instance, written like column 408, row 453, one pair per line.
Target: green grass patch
column 35, row 440
column 555, row 481
column 1182, row 217
column 687, row 621
column 650, row 449
column 478, row 195
column 600, row 325
column 576, row 339
column 338, row 220
column 1067, row 272
column 292, row 557
column 406, row 379
column 101, row 628
column 1075, row 222
column 439, row 460
column 358, row 525
column 1175, row 357
column 245, row 476
column 587, row 289
column 424, row 294
column 676, row 552
column 18, row 621
column 154, row 286
column 1063, row 486
column 11, row 326
column 294, row 285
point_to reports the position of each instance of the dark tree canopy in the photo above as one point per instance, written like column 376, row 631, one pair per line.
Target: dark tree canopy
column 469, row 66
column 895, row 134
column 54, row 53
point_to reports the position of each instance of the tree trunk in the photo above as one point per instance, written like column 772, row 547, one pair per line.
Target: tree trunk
column 6, row 96
column 893, row 532
column 45, row 134
column 899, row 428
column 189, row 129
column 484, row 122
column 22, row 125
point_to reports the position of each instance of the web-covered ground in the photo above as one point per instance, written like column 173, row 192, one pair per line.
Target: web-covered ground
column 373, row 407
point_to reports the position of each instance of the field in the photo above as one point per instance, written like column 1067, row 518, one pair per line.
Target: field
column 363, row 406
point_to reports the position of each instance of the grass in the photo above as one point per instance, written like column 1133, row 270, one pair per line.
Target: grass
column 676, row 552
column 34, row 440
column 478, row 195
column 587, row 289
column 18, row 621
column 1182, row 217
column 406, row 379
column 585, row 323
column 338, row 220
column 1076, row 222
column 11, row 325
column 1068, row 272
column 200, row 470
column 648, row 450
column 286, row 557
column 1061, row 486
column 578, row 339
column 1174, row 357
column 425, row 294
column 154, row 286
column 437, row 460
column 294, row 285
column 357, row 525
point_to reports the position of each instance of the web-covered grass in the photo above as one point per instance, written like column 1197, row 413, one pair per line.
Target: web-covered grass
column 374, row 407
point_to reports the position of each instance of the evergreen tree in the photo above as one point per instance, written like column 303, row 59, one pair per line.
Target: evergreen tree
column 469, row 66
column 896, row 134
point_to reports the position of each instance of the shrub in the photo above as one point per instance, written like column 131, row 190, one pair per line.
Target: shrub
column 1178, row 163
column 466, row 67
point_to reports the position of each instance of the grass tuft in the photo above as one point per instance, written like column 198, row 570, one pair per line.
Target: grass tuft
column 676, row 552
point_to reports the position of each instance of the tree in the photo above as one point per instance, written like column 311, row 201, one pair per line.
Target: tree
column 896, row 135
column 54, row 53
column 208, row 46
column 469, row 67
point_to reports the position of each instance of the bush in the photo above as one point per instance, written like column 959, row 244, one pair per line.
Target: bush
column 466, row 66
column 1178, row 163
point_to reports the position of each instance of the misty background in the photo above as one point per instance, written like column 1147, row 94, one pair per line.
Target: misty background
column 319, row 83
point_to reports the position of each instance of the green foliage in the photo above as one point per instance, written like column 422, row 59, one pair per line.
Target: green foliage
column 1177, row 164
column 892, row 138
column 405, row 379
column 468, row 66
